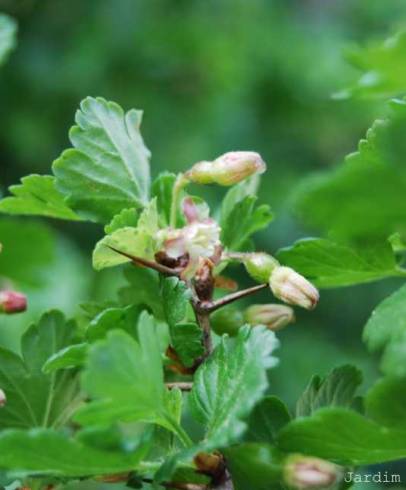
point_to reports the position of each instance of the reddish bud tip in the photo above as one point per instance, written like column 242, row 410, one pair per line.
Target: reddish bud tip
column 12, row 302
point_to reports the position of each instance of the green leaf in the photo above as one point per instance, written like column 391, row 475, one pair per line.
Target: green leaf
column 382, row 66
column 229, row 384
column 126, row 217
column 243, row 221
column 8, row 33
column 266, row 420
column 109, row 168
column 124, row 379
column 328, row 264
column 254, row 466
column 386, row 330
column 37, row 195
column 162, row 189
column 186, row 339
column 113, row 318
column 139, row 241
column 176, row 296
column 378, row 164
column 336, row 389
column 47, row 452
column 386, row 402
column 146, row 295
column 343, row 436
column 34, row 398
column 236, row 194
column 27, row 250
column 69, row 357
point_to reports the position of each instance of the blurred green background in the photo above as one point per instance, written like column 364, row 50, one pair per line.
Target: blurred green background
column 211, row 76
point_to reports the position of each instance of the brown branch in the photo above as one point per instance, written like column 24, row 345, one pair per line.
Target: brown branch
column 148, row 263
column 204, row 322
column 209, row 307
column 183, row 386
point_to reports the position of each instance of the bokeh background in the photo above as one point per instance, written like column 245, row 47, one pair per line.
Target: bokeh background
column 211, row 76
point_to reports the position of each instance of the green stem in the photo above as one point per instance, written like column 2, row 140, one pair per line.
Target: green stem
column 179, row 431
column 180, row 183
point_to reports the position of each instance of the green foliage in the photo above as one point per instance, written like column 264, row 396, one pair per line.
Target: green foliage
column 108, row 169
column 37, row 195
column 386, row 402
column 328, row 264
column 126, row 217
column 378, row 164
column 386, row 330
column 8, row 31
column 139, row 241
column 69, row 357
column 162, row 189
column 36, row 399
column 343, row 436
column 38, row 452
column 382, row 66
column 236, row 375
column 336, row 389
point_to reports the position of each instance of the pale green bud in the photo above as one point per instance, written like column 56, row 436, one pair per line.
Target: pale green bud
column 228, row 169
column 260, row 266
column 274, row 317
column 309, row 473
column 292, row 288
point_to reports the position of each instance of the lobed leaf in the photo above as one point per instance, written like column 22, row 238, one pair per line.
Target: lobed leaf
column 328, row 264
column 108, row 169
column 386, row 402
column 37, row 195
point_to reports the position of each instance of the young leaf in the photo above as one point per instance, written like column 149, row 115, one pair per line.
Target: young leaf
column 237, row 193
column 139, row 241
column 336, row 389
column 37, row 195
column 186, row 339
column 124, row 378
column 162, row 189
column 176, row 296
column 69, row 357
column 255, row 466
column 382, row 66
column 386, row 402
column 109, row 168
column 266, row 420
column 146, row 295
column 378, row 164
column 243, row 221
column 8, row 31
column 126, row 217
column 47, row 452
column 33, row 398
column 386, row 329
column 343, row 436
column 113, row 318
column 328, row 264
column 229, row 384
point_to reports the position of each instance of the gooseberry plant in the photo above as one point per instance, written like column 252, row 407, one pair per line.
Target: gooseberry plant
column 111, row 399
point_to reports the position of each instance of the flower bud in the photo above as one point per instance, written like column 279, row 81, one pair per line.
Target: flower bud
column 304, row 472
column 260, row 266
column 275, row 317
column 12, row 302
column 227, row 320
column 292, row 288
column 3, row 398
column 228, row 169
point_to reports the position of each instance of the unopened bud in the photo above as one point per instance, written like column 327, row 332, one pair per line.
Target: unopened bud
column 304, row 472
column 292, row 288
column 12, row 302
column 275, row 317
column 227, row 320
column 260, row 266
column 3, row 398
column 228, row 169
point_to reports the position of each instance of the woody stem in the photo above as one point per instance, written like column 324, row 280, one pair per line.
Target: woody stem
column 230, row 298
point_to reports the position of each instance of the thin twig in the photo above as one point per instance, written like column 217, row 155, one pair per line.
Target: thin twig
column 148, row 263
column 209, row 307
column 182, row 385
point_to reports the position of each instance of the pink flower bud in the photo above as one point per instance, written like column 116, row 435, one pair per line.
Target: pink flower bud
column 275, row 317
column 12, row 302
column 3, row 398
column 260, row 266
column 292, row 288
column 304, row 472
column 228, row 169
